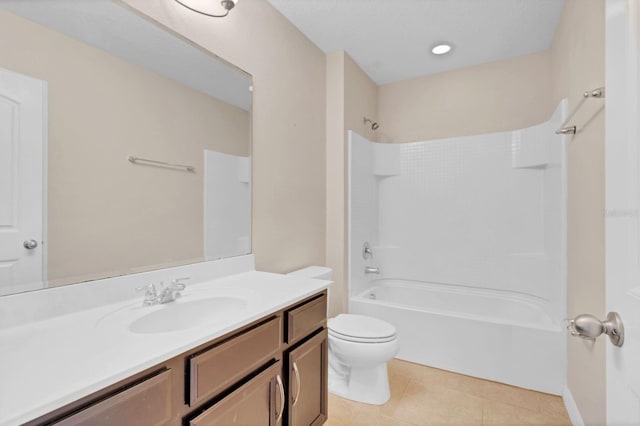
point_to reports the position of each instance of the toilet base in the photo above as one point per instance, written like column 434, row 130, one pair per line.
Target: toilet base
column 367, row 385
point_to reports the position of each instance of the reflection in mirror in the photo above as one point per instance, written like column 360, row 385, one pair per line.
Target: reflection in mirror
column 84, row 86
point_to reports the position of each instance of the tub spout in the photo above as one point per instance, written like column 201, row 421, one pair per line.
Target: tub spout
column 371, row 270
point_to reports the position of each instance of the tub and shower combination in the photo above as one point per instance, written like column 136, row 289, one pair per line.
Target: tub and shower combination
column 468, row 234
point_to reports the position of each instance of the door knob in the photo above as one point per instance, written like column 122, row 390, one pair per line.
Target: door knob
column 30, row 244
column 589, row 327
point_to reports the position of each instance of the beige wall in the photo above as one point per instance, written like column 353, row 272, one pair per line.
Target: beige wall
column 492, row 97
column 351, row 95
column 336, row 182
column 578, row 64
column 360, row 100
column 289, row 124
column 106, row 216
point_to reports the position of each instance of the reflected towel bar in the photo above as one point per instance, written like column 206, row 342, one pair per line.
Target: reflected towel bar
column 138, row 160
column 571, row 130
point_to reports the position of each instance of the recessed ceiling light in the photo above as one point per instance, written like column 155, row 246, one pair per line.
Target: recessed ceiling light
column 441, row 49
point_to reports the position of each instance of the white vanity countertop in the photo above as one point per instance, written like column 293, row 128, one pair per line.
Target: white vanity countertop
column 47, row 364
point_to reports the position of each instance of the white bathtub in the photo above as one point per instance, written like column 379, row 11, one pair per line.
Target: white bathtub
column 492, row 335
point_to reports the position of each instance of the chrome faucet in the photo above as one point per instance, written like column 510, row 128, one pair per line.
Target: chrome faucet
column 371, row 270
column 165, row 295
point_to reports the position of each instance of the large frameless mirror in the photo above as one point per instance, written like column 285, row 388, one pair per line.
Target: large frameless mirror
column 123, row 147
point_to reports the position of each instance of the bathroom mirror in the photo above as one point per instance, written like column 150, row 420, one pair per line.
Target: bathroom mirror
column 145, row 142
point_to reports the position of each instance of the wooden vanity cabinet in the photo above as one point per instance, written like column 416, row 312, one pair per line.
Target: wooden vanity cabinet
column 272, row 372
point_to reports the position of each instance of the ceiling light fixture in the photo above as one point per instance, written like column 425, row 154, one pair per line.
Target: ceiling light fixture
column 227, row 4
column 441, row 48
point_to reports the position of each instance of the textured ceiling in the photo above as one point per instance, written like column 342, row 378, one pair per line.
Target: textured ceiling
column 392, row 39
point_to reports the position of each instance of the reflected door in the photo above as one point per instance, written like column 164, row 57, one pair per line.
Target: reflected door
column 22, row 137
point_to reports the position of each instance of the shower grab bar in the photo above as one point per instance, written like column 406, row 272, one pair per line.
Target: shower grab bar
column 138, row 160
column 571, row 130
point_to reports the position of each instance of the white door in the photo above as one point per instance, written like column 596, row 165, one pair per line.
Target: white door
column 622, row 207
column 22, row 139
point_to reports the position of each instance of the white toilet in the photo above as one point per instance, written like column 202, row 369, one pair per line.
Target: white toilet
column 359, row 348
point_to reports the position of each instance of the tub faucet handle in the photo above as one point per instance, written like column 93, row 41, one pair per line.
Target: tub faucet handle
column 367, row 253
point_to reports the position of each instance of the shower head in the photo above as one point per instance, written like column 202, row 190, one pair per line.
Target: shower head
column 374, row 125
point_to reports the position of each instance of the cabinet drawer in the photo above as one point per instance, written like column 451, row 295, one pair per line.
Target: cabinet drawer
column 144, row 404
column 253, row 403
column 305, row 319
column 212, row 371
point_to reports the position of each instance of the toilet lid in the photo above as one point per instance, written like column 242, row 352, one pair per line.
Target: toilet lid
column 360, row 328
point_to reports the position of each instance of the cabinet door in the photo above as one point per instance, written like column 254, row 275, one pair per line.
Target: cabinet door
column 308, row 386
column 258, row 402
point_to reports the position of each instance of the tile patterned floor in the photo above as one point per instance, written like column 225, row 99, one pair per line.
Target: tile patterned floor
column 423, row 395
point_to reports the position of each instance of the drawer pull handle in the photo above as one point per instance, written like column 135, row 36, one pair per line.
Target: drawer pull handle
column 282, row 400
column 297, row 374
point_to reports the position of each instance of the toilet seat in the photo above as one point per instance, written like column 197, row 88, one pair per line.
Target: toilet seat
column 361, row 329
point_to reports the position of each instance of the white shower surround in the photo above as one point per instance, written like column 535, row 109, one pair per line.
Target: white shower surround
column 480, row 219
column 227, row 205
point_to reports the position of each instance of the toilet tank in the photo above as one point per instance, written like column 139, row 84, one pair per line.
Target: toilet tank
column 317, row 272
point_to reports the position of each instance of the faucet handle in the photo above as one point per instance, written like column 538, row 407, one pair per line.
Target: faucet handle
column 176, row 282
column 367, row 253
column 150, row 288
column 150, row 295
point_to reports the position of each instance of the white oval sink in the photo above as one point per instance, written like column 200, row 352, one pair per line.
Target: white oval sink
column 176, row 316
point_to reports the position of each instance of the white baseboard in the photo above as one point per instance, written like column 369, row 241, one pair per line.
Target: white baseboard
column 572, row 408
